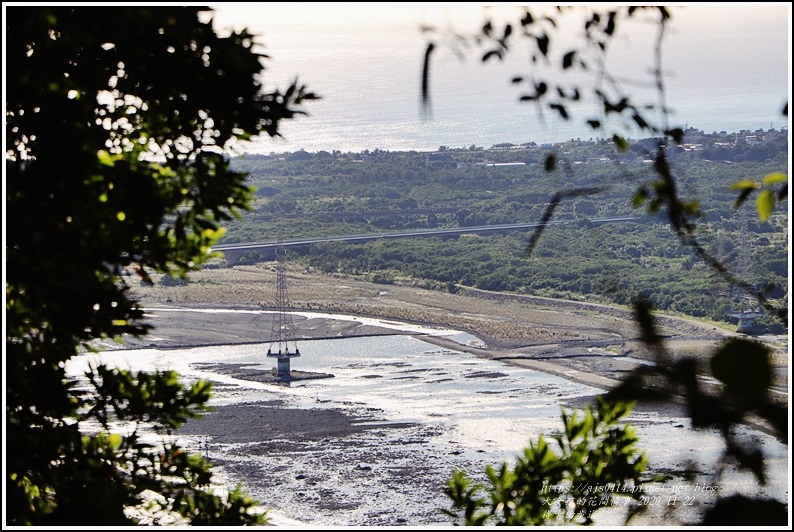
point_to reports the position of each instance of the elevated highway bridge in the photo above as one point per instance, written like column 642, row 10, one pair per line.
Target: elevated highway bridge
column 234, row 252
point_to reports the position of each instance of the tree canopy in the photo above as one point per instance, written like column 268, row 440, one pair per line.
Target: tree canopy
column 118, row 122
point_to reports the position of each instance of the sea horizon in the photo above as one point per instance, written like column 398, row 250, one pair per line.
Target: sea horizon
column 285, row 146
column 722, row 70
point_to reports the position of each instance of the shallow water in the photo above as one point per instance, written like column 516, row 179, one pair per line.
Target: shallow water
column 431, row 410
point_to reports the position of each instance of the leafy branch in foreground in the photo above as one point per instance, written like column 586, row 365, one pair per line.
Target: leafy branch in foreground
column 595, row 463
column 740, row 366
column 167, row 483
column 744, row 374
column 617, row 111
column 118, row 122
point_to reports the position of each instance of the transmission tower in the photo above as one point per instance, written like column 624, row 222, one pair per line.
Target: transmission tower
column 282, row 335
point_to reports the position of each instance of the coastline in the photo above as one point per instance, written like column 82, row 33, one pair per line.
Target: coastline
column 326, row 456
column 599, row 364
column 179, row 327
column 589, row 343
column 339, row 456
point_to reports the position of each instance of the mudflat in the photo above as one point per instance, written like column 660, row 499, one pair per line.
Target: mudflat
column 587, row 342
column 295, row 458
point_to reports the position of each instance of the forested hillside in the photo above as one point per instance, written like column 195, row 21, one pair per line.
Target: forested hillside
column 305, row 194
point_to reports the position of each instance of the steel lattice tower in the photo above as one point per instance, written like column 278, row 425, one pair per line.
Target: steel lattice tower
column 282, row 334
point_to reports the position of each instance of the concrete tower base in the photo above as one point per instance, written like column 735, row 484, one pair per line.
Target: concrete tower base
column 283, row 366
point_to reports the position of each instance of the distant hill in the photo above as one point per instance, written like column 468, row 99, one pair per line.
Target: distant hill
column 306, row 194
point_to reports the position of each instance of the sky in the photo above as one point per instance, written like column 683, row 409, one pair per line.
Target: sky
column 712, row 25
column 355, row 54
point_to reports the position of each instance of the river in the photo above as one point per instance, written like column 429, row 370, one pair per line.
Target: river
column 374, row 444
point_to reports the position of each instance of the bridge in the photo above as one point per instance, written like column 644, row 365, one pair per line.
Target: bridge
column 341, row 215
column 234, row 252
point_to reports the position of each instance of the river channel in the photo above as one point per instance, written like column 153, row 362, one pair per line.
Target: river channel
column 373, row 444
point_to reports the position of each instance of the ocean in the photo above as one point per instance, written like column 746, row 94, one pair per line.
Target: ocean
column 724, row 69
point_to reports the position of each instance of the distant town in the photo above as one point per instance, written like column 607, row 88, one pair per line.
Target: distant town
column 695, row 138
column 741, row 146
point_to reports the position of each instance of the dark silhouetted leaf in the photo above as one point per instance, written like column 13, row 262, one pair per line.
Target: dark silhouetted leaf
column 778, row 417
column 691, row 207
column 426, row 74
column 620, row 143
column 644, row 318
column 677, row 135
column 782, row 193
column 560, row 109
column 543, row 44
column 550, row 163
column 750, row 458
column 639, row 197
column 491, row 53
column 743, row 366
column 567, row 59
column 609, row 107
column 610, row 29
column 743, row 195
column 635, row 387
column 640, row 121
column 741, row 510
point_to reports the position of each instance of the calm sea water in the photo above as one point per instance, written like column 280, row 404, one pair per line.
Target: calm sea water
column 729, row 76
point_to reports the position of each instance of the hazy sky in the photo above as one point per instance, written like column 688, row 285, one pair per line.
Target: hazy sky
column 754, row 24
column 294, row 33
column 365, row 59
column 354, row 54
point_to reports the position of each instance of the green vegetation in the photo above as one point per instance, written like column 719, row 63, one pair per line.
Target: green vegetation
column 115, row 117
column 116, row 122
column 335, row 194
column 597, row 463
column 741, row 367
column 743, row 370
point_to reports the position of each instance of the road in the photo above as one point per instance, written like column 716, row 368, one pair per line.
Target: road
column 234, row 251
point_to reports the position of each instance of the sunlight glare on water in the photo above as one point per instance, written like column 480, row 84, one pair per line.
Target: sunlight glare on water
column 461, row 411
column 449, row 409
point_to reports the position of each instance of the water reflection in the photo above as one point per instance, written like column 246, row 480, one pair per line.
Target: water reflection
column 419, row 412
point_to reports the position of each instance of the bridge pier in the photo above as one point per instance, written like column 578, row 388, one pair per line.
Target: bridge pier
column 232, row 256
